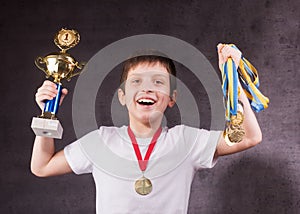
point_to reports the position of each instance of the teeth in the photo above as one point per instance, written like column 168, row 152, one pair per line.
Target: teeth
column 145, row 101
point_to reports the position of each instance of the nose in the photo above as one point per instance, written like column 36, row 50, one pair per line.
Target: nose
column 147, row 86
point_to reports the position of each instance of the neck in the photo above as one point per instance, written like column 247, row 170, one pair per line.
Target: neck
column 144, row 130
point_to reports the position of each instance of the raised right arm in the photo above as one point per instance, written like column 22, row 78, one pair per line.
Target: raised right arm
column 45, row 161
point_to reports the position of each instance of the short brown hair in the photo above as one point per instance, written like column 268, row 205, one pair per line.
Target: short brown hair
column 150, row 59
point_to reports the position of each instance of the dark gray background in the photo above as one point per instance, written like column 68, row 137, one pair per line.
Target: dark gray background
column 264, row 179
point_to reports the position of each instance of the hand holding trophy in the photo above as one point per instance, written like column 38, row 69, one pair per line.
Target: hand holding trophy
column 59, row 66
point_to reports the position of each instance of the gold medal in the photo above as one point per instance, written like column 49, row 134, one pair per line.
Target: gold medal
column 234, row 132
column 237, row 119
column 143, row 186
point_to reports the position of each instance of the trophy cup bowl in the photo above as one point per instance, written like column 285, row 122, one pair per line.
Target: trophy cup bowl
column 58, row 66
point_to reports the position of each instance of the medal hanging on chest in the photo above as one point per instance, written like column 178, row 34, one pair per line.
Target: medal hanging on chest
column 143, row 185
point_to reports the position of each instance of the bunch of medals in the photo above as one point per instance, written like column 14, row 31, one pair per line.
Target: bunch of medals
column 234, row 131
column 249, row 82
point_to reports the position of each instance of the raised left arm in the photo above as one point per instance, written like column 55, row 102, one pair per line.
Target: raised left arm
column 253, row 135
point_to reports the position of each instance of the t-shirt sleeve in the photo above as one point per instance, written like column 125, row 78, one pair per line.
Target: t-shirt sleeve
column 77, row 159
column 203, row 150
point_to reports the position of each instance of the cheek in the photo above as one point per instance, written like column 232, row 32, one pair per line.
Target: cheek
column 129, row 96
column 164, row 98
column 163, row 90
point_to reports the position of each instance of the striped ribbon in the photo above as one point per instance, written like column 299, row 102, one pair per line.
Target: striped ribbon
column 248, row 76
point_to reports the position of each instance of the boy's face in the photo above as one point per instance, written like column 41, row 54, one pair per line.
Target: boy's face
column 147, row 92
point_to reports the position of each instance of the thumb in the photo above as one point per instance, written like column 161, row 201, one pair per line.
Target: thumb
column 221, row 57
column 64, row 92
column 219, row 47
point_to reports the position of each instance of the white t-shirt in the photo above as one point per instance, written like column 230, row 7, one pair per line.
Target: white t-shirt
column 108, row 154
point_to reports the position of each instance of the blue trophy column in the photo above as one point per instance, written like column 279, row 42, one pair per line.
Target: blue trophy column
column 51, row 106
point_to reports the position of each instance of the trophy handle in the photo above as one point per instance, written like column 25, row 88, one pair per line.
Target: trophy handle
column 39, row 62
column 78, row 65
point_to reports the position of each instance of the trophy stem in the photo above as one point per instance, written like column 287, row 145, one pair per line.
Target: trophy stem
column 51, row 106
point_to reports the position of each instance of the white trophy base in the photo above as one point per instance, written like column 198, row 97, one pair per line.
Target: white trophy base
column 47, row 127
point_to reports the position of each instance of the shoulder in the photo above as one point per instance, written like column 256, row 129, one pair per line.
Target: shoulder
column 183, row 130
column 192, row 134
column 112, row 131
column 107, row 130
column 104, row 132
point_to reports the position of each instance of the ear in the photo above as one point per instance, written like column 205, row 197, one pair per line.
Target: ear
column 121, row 96
column 173, row 99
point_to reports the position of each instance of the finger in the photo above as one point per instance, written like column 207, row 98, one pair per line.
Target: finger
column 48, row 82
column 63, row 94
column 42, row 98
column 222, row 58
column 44, row 94
column 47, row 91
column 220, row 46
column 47, row 87
column 226, row 50
column 235, row 54
column 64, row 91
column 230, row 51
column 62, row 98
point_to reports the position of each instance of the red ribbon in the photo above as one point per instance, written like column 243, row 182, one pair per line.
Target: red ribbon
column 143, row 162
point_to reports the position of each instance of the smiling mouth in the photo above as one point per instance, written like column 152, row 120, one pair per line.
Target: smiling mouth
column 146, row 102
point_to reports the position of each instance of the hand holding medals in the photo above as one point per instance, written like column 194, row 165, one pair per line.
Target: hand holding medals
column 236, row 69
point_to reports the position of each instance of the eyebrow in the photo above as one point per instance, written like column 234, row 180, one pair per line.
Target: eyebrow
column 152, row 75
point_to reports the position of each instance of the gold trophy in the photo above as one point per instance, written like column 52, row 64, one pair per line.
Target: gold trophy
column 59, row 66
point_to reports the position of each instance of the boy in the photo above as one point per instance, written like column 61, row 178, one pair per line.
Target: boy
column 141, row 168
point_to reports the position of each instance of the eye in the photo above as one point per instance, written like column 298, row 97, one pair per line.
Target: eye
column 158, row 82
column 135, row 81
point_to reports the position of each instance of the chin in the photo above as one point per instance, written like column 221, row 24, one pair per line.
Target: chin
column 153, row 117
column 148, row 117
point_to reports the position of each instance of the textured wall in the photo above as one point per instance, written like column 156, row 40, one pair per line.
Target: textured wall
column 265, row 179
